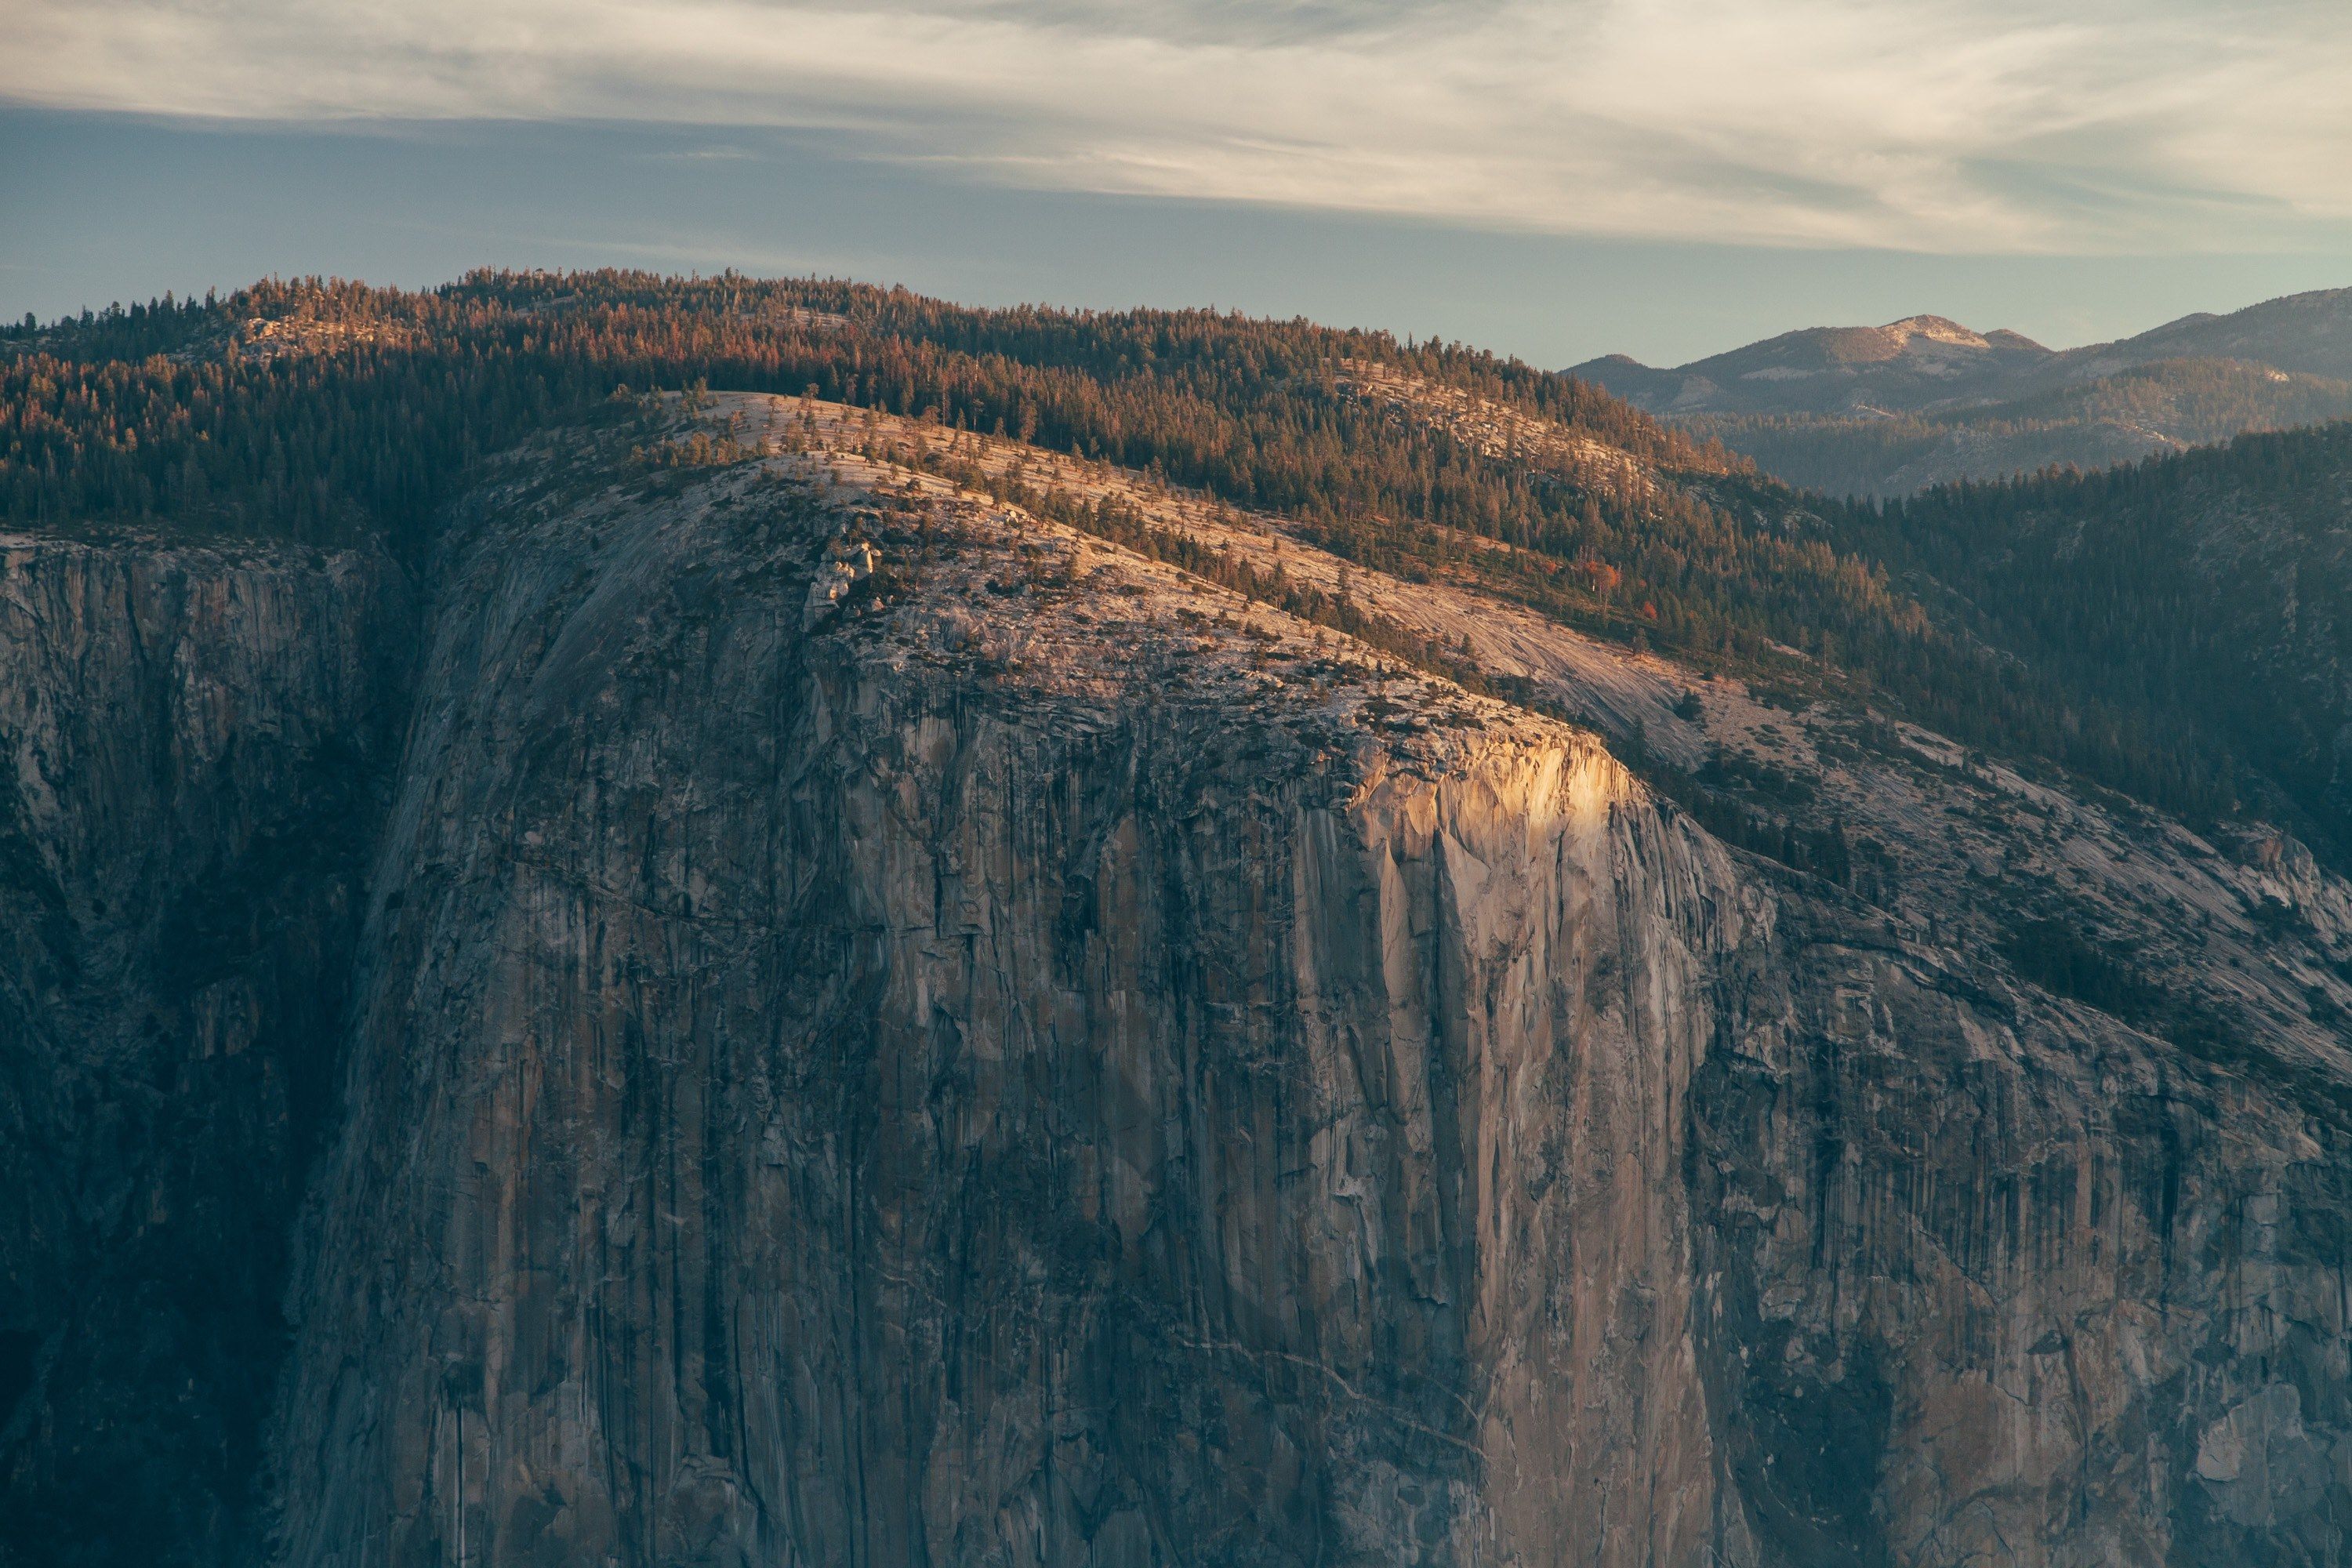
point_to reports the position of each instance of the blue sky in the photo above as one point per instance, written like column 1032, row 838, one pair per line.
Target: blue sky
column 1660, row 177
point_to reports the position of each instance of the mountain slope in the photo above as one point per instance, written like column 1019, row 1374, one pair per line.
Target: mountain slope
column 2212, row 581
column 2303, row 334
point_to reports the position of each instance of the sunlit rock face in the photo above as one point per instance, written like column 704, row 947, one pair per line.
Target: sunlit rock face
column 855, row 1095
column 860, row 1026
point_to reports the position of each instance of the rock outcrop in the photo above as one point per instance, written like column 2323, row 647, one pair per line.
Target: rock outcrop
column 883, row 1030
column 1997, row 1281
column 191, row 743
column 930, row 1089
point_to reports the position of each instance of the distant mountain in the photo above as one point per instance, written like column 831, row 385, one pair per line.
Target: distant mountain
column 2308, row 334
column 1888, row 410
column 2165, row 407
column 1919, row 361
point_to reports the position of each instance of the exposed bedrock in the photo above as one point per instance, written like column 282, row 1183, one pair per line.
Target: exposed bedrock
column 816, row 1104
column 191, row 741
column 900, row 1089
column 1014, row 1057
column 1994, row 1284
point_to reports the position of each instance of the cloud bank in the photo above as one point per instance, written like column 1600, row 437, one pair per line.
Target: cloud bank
column 1954, row 126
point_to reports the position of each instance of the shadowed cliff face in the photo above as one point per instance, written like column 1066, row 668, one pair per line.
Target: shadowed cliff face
column 1993, row 1282
column 188, row 744
column 881, row 1030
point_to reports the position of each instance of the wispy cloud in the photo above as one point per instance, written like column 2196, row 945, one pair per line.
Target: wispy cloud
column 1946, row 125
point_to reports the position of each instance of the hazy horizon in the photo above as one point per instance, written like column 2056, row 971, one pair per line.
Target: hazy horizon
column 1663, row 178
column 415, row 204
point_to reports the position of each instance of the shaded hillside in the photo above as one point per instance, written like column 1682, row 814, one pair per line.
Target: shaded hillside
column 2214, row 583
column 2304, row 334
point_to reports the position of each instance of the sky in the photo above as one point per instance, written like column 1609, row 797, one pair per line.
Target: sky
column 1660, row 177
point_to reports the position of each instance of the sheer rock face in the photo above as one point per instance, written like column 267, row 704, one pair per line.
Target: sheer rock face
column 189, row 740
column 1016, row 1057
column 834, row 1098
column 1993, row 1282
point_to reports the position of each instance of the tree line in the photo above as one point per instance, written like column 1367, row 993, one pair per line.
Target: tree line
column 329, row 413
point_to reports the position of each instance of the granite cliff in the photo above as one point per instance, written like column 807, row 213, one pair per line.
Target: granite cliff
column 825, row 1018
column 194, row 739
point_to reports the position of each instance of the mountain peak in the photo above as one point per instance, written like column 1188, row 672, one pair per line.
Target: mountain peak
column 1938, row 329
column 1908, row 362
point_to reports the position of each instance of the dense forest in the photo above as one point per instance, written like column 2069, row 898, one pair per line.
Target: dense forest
column 333, row 414
column 2211, row 586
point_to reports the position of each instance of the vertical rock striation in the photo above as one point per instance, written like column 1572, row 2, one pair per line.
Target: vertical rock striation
column 853, row 1098
column 1996, row 1280
column 188, row 739
column 880, row 1031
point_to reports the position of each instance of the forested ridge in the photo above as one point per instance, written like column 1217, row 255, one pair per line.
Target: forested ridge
column 333, row 414
column 2211, row 586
